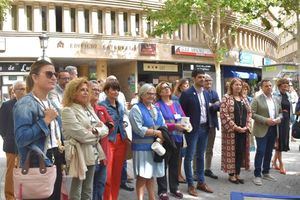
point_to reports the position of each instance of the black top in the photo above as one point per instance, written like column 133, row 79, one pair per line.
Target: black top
column 285, row 104
column 240, row 113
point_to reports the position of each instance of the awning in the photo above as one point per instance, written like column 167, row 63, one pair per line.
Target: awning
column 244, row 75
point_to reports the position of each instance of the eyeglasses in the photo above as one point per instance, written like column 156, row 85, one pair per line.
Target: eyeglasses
column 50, row 74
column 151, row 94
column 165, row 87
column 20, row 89
column 65, row 79
column 96, row 90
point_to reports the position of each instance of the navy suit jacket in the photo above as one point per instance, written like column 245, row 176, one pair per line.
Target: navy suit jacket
column 191, row 106
column 7, row 126
column 213, row 97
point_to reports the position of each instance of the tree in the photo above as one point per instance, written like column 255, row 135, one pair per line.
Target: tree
column 4, row 5
column 215, row 18
column 276, row 13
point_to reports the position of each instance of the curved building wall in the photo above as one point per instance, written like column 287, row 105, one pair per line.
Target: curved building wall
column 105, row 37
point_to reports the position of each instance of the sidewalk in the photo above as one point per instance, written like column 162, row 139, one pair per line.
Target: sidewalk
column 286, row 185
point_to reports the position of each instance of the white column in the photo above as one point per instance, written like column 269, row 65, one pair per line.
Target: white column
column 37, row 18
column 194, row 32
column 120, row 23
column 52, row 18
column 22, row 19
column 80, row 20
column 144, row 26
column 94, row 21
column 66, row 19
column 7, row 23
column 132, row 24
column 107, row 22
column 185, row 32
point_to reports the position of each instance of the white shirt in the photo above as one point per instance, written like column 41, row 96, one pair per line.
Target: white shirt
column 271, row 106
column 203, row 116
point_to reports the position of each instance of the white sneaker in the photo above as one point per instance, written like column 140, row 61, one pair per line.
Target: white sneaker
column 257, row 181
column 269, row 177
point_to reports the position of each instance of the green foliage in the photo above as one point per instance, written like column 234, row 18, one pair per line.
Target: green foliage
column 4, row 5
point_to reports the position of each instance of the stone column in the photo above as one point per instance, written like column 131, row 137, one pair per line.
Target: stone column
column 22, row 19
column 37, row 18
column 66, row 19
column 132, row 24
column 94, row 21
column 7, row 23
column 120, row 23
column 80, row 20
column 107, row 22
column 101, row 69
column 144, row 26
column 83, row 70
column 52, row 18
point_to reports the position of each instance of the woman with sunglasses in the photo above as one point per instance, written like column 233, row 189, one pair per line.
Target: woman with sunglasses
column 82, row 130
column 172, row 113
column 37, row 123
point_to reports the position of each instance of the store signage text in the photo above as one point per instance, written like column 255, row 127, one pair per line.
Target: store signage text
column 147, row 49
column 15, row 67
column 191, row 51
column 160, row 67
column 104, row 45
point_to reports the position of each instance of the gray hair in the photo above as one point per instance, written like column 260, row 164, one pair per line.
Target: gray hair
column 18, row 83
column 111, row 77
column 70, row 69
column 208, row 77
column 144, row 89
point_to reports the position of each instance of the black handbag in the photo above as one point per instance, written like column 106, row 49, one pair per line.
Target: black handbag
column 296, row 129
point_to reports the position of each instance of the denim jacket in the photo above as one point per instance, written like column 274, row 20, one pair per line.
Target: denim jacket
column 31, row 130
column 118, row 118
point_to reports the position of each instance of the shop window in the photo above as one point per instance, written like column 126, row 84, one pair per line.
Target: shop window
column 113, row 22
column 44, row 12
column 29, row 17
column 125, row 22
column 148, row 28
column 58, row 16
column 73, row 19
column 179, row 32
column 100, row 21
column 86, row 20
column 137, row 24
column 14, row 17
column 189, row 32
column 12, row 78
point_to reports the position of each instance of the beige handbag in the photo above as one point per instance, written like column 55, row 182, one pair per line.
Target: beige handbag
column 34, row 183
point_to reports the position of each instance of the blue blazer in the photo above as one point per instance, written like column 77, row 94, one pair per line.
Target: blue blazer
column 213, row 97
column 191, row 106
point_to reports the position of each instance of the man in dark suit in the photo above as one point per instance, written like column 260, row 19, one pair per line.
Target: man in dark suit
column 7, row 133
column 195, row 104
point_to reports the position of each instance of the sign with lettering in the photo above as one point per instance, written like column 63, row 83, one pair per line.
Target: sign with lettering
column 191, row 51
column 246, row 58
column 15, row 67
column 147, row 49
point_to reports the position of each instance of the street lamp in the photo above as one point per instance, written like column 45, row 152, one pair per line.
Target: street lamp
column 44, row 43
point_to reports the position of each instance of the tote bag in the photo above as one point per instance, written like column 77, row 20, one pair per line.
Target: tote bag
column 34, row 183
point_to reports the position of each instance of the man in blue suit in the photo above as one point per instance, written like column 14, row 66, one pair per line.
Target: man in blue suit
column 195, row 104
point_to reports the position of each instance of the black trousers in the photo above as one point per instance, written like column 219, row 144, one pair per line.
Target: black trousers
column 171, row 163
column 240, row 148
column 59, row 161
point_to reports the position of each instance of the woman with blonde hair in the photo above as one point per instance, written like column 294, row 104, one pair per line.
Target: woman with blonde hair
column 82, row 131
column 235, row 114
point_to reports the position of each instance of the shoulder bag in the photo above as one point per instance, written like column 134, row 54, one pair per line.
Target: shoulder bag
column 34, row 183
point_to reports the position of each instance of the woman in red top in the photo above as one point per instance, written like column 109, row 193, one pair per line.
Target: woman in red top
column 100, row 170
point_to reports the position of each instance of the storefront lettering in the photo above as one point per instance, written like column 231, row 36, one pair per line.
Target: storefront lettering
column 15, row 67
column 83, row 46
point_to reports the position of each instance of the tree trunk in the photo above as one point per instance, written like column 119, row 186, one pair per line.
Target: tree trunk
column 218, row 78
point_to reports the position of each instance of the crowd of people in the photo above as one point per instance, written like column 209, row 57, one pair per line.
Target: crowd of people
column 86, row 129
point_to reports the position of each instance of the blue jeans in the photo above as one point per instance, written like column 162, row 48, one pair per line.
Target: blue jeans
column 196, row 143
column 99, row 181
column 264, row 151
column 124, row 173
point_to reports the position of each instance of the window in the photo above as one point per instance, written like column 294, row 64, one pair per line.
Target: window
column 189, row 33
column 14, row 17
column 29, row 17
column 86, row 21
column 100, row 21
column 179, row 32
column 137, row 24
column 73, row 19
column 148, row 28
column 113, row 22
column 58, row 15
column 44, row 18
column 125, row 22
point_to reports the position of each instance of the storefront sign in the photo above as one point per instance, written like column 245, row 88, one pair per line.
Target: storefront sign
column 246, row 58
column 147, row 49
column 15, row 67
column 160, row 67
column 191, row 51
column 267, row 61
column 204, row 67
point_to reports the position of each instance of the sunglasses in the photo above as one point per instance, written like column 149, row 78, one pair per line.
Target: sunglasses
column 50, row 74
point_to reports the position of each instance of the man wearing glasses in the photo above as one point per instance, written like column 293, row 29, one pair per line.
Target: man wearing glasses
column 7, row 133
column 56, row 95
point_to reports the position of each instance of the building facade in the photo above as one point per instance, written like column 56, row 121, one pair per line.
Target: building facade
column 111, row 37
